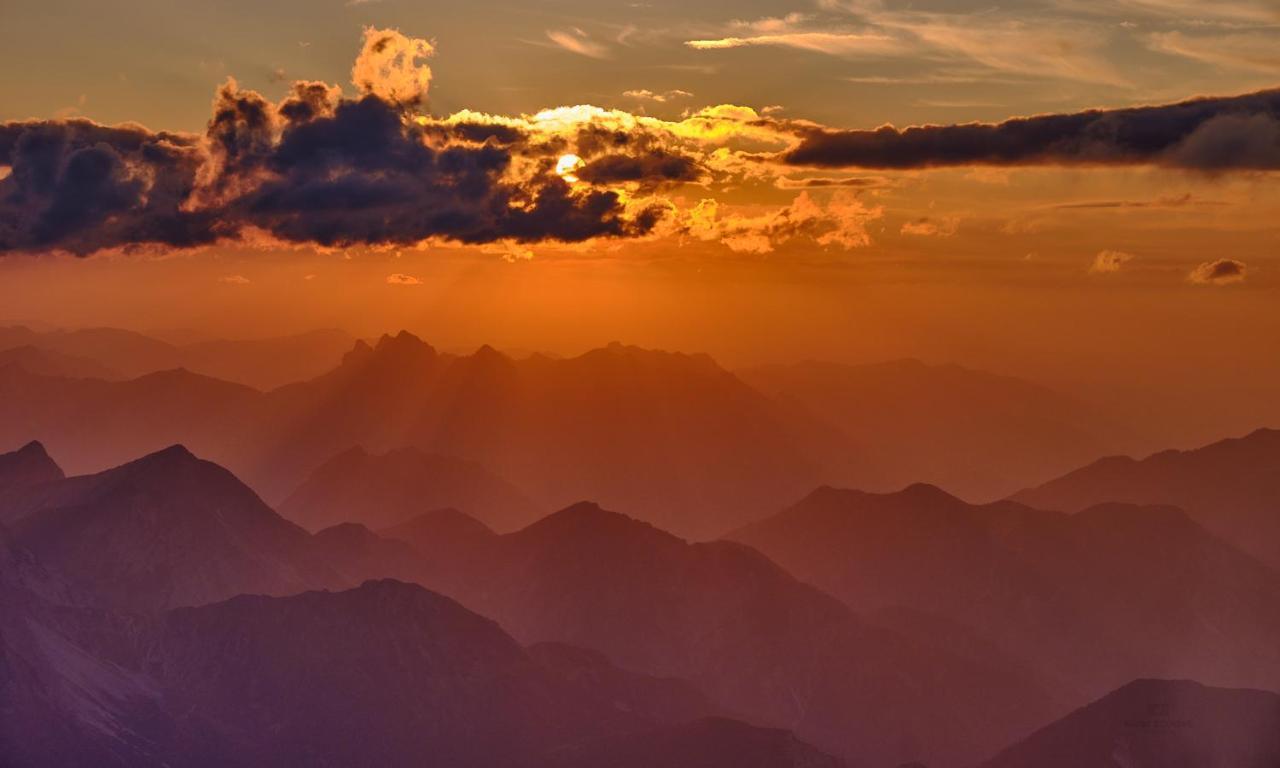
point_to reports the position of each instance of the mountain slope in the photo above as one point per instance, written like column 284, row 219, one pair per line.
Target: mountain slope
column 977, row 434
column 390, row 673
column 382, row 490
column 1231, row 487
column 749, row 635
column 46, row 362
column 61, row 704
column 165, row 530
column 27, row 467
column 1158, row 724
column 1090, row 600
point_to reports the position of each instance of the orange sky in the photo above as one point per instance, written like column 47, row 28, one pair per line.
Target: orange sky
column 1095, row 263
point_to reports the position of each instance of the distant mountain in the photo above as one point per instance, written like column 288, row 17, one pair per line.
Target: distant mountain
column 382, row 490
column 165, row 530
column 46, row 362
column 1231, row 487
column 267, row 363
column 669, row 437
column 1158, row 724
column 977, row 434
column 92, row 425
column 130, row 353
column 1088, row 601
column 754, row 639
column 259, row 363
column 358, row 554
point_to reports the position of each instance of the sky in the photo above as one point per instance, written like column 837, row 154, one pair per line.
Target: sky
column 1079, row 192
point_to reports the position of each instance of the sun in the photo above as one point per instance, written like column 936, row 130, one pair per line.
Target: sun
column 567, row 165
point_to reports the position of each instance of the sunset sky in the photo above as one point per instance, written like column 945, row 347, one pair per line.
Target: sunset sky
column 726, row 191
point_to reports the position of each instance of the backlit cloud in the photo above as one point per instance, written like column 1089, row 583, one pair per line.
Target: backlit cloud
column 402, row 279
column 1219, row 272
column 1109, row 262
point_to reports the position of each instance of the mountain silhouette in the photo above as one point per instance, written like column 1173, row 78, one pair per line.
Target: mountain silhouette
column 978, row 434
column 673, row 438
column 382, row 490
column 389, row 673
column 165, row 530
column 1158, row 724
column 1088, row 601
column 29, row 466
column 47, row 362
column 754, row 639
column 1231, row 487
column 114, row 353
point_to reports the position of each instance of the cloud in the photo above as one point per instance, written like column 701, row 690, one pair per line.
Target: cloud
column 579, row 42
column 1110, row 262
column 1062, row 50
column 840, row 222
column 389, row 66
column 1212, row 134
column 834, row 43
column 661, row 97
column 402, row 279
column 932, row 227
column 234, row 280
column 1255, row 51
column 1219, row 272
column 317, row 168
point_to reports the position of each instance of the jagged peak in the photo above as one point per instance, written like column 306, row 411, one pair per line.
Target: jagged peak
column 402, row 341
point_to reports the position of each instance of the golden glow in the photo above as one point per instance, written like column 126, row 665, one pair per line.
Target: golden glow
column 566, row 166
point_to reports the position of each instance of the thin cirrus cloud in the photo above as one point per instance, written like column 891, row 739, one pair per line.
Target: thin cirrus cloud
column 1252, row 51
column 578, row 41
column 662, row 97
column 1066, row 50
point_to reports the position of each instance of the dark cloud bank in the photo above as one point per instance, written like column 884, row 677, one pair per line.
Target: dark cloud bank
column 313, row 169
column 320, row 169
column 1211, row 134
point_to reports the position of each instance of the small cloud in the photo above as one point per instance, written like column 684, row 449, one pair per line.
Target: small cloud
column 1109, row 262
column 308, row 278
column 771, row 109
column 578, row 41
column 402, row 279
column 1219, row 272
column 661, row 97
column 234, row 280
column 927, row 227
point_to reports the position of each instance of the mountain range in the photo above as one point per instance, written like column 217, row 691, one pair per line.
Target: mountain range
column 1158, row 594
column 138, row 627
column 1231, row 487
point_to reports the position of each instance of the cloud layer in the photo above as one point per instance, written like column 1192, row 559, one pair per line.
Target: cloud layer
column 1211, row 134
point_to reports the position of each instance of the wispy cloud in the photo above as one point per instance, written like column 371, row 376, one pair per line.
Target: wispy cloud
column 578, row 41
column 402, row 279
column 1256, row 51
column 644, row 94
